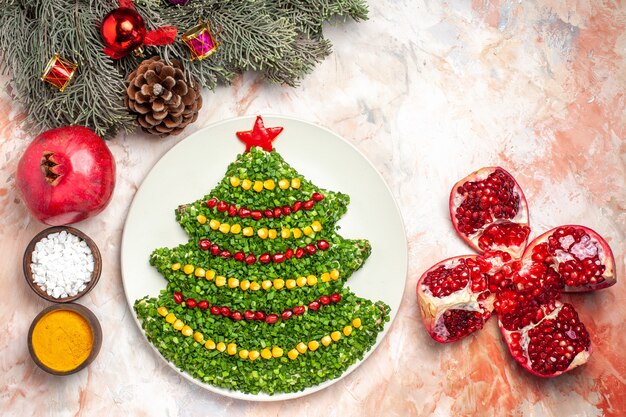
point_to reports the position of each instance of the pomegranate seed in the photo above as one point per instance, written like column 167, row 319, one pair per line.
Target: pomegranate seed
column 215, row 250
column 296, row 206
column 250, row 259
column 277, row 212
column 256, row 214
column 289, row 253
column 278, row 258
column 299, row 253
column 317, row 197
column 271, row 318
column 244, row 212
column 178, row 297
column 215, row 310
column 269, row 213
column 225, row 311
column 314, row 305
column 322, row 245
column 264, row 258
column 211, row 202
column 191, row 303
column 286, row 210
column 308, row 205
column 222, row 206
column 239, row 256
column 225, row 254
column 232, row 210
column 249, row 315
column 335, row 298
column 297, row 310
column 203, row 305
column 204, row 244
column 310, row 249
column 325, row 300
column 286, row 315
column 259, row 315
column 236, row 315
column 460, row 323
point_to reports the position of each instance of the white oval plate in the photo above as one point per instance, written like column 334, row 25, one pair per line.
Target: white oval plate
column 194, row 166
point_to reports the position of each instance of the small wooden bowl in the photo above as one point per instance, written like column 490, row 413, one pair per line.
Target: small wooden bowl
column 94, row 324
column 28, row 254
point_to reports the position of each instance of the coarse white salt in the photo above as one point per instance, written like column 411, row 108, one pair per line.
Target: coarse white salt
column 62, row 264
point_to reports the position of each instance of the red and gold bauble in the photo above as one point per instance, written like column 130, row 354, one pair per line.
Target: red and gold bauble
column 59, row 72
column 123, row 30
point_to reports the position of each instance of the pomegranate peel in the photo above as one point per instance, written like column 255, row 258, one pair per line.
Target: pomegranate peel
column 489, row 211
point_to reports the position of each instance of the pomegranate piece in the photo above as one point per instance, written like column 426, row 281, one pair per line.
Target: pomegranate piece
column 579, row 255
column 454, row 297
column 489, row 211
column 555, row 344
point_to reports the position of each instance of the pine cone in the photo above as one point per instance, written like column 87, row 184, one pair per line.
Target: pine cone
column 165, row 103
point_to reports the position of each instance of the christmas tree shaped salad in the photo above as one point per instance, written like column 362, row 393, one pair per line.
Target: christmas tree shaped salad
column 256, row 300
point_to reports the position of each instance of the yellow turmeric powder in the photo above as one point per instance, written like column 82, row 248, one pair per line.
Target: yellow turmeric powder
column 62, row 340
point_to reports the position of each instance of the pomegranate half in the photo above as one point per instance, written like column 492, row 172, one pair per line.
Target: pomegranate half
column 489, row 211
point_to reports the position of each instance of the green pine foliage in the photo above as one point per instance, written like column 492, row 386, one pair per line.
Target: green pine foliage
column 273, row 375
column 282, row 39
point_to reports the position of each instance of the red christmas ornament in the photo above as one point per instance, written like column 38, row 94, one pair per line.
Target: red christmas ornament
column 59, row 72
column 259, row 135
column 123, row 31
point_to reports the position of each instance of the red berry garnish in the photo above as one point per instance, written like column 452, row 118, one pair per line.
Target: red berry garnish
column 256, row 214
column 225, row 311
column 222, row 206
column 178, row 297
column 322, row 245
column 297, row 310
column 286, row 210
column 249, row 315
column 289, row 253
column 325, row 300
column 271, row 318
column 203, row 305
column 215, row 250
column 314, row 305
column 211, row 203
column 335, row 298
column 191, row 303
column 215, row 310
column 277, row 212
column 317, row 197
column 310, row 249
column 308, row 205
column 244, row 212
column 269, row 213
column 204, row 244
column 236, row 315
column 250, row 259
column 259, row 315
column 299, row 253
column 278, row 258
column 297, row 205
column 286, row 315
column 265, row 258
column 225, row 254
column 232, row 210
column 239, row 256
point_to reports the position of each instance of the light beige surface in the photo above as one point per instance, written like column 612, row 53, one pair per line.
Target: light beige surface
column 428, row 91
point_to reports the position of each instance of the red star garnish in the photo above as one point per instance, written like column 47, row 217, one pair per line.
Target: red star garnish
column 259, row 135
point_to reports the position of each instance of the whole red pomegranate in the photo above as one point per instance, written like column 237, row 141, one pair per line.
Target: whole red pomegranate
column 66, row 175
